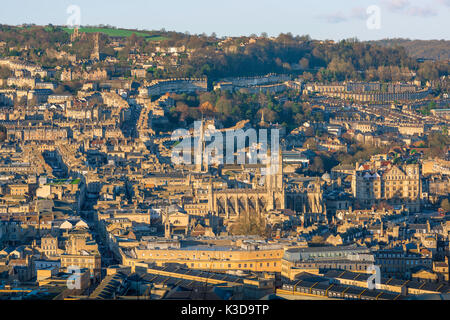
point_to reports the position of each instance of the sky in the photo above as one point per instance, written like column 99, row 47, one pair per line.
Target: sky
column 321, row 19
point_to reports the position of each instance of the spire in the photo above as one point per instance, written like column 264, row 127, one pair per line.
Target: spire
column 200, row 157
column 263, row 123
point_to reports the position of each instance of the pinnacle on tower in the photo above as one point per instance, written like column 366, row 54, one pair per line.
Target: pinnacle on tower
column 75, row 35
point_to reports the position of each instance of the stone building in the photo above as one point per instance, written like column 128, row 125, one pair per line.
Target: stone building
column 398, row 184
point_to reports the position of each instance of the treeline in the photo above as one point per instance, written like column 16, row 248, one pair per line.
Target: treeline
column 31, row 43
column 427, row 49
column 314, row 60
column 287, row 54
column 230, row 108
column 36, row 37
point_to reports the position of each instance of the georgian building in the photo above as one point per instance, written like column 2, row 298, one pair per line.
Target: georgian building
column 398, row 184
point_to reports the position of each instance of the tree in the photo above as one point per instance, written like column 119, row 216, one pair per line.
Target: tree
column 299, row 119
column 5, row 73
column 207, row 109
column 317, row 240
column 304, row 63
column 341, row 68
column 269, row 115
column 3, row 133
column 207, row 97
column 383, row 205
column 317, row 165
column 133, row 39
column 248, row 224
column 445, row 205
column 224, row 106
column 437, row 144
column 183, row 111
column 308, row 76
column 311, row 143
column 428, row 71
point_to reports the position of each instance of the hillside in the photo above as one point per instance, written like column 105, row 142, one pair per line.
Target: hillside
column 217, row 58
column 428, row 49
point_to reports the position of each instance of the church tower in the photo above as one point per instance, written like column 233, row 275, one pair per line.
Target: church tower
column 200, row 149
column 274, row 179
column 75, row 34
column 96, row 53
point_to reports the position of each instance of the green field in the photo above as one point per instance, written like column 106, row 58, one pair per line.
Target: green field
column 148, row 35
column 118, row 33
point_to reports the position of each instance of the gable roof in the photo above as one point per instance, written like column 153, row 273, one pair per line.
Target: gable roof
column 394, row 170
